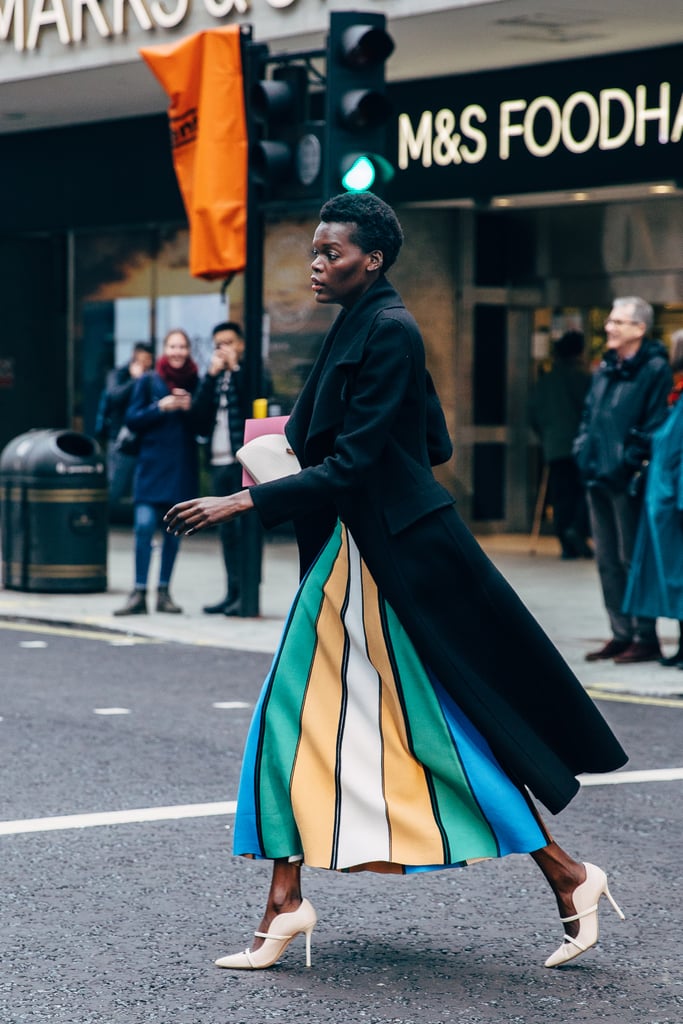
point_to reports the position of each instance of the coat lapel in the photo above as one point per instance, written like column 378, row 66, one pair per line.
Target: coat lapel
column 321, row 404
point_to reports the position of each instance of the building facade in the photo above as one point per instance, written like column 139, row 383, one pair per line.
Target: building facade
column 532, row 191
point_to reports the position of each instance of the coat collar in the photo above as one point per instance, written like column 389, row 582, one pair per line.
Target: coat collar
column 320, row 405
column 354, row 325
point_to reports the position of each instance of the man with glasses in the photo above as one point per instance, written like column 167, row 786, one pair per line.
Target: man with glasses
column 626, row 402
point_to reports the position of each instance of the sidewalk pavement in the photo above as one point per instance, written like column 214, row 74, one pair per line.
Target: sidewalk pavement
column 564, row 596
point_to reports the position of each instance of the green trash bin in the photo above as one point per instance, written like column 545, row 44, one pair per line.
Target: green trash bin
column 53, row 505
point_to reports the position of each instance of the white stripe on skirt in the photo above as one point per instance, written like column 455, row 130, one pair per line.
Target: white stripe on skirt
column 363, row 817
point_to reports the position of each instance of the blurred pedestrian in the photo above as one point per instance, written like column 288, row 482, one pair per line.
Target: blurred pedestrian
column 111, row 415
column 160, row 412
column 556, row 407
column 221, row 407
column 655, row 583
column 413, row 698
column 626, row 403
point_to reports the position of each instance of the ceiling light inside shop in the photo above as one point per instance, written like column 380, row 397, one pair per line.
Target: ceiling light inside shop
column 527, row 200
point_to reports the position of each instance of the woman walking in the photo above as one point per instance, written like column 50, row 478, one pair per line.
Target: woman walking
column 167, row 471
column 413, row 701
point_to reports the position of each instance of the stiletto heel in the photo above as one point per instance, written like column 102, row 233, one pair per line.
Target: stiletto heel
column 282, row 930
column 586, row 898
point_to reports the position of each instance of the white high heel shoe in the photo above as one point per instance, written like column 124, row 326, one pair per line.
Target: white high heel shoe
column 282, row 930
column 585, row 898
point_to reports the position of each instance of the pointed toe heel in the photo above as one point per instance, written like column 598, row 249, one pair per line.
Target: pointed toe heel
column 586, row 898
column 282, row 930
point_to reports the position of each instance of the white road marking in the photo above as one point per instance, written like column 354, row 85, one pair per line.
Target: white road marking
column 139, row 815
column 229, row 705
column 619, row 778
column 32, row 643
column 83, row 634
column 598, row 693
column 147, row 814
column 111, row 711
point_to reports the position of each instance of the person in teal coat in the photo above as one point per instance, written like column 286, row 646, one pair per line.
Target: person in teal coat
column 655, row 583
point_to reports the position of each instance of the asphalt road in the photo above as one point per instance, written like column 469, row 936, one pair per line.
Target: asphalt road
column 120, row 923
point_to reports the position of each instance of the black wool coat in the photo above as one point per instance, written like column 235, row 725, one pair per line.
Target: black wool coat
column 367, row 428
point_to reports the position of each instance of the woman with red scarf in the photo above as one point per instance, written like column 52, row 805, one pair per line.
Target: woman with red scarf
column 160, row 412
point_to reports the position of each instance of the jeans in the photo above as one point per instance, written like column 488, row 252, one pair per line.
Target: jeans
column 148, row 518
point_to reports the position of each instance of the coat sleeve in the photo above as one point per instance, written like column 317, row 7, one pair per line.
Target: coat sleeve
column 204, row 406
column 655, row 409
column 652, row 414
column 439, row 445
column 143, row 410
column 580, row 448
column 376, row 394
column 119, row 393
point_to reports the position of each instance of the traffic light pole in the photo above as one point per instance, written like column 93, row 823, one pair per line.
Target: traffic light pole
column 252, row 534
column 297, row 159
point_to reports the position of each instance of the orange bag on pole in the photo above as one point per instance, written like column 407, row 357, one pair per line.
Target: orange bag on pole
column 203, row 78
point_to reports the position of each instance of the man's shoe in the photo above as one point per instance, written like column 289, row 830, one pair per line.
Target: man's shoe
column 232, row 607
column 639, row 651
column 216, row 609
column 135, row 605
column 573, row 540
column 610, row 650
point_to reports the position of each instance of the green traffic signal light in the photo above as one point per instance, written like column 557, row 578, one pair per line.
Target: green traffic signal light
column 357, row 108
column 365, row 170
column 360, row 175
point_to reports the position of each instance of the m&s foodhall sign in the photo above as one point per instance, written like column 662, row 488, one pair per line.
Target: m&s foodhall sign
column 573, row 124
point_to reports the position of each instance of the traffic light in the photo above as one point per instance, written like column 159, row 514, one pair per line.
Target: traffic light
column 357, row 108
column 285, row 155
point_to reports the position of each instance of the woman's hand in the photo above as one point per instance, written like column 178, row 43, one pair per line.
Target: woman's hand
column 178, row 400
column 190, row 516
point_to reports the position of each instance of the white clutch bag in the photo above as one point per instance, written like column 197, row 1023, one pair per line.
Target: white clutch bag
column 268, row 457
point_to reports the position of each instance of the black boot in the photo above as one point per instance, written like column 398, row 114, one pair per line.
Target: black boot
column 135, row 605
column 165, row 603
column 233, row 604
column 216, row 609
column 577, row 543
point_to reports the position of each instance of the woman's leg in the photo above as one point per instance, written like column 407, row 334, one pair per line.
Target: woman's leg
column 145, row 525
column 169, row 551
column 578, row 888
column 284, row 895
column 563, row 874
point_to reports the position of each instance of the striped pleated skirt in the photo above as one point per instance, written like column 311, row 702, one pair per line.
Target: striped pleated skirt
column 356, row 757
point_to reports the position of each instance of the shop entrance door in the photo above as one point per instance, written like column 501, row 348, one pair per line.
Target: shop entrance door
column 33, row 352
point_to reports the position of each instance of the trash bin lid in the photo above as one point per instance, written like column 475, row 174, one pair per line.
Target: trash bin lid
column 52, row 453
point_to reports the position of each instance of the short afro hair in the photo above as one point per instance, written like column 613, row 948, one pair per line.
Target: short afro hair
column 376, row 224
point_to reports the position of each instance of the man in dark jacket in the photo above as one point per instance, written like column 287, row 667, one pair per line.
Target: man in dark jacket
column 221, row 408
column 627, row 401
column 111, row 414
